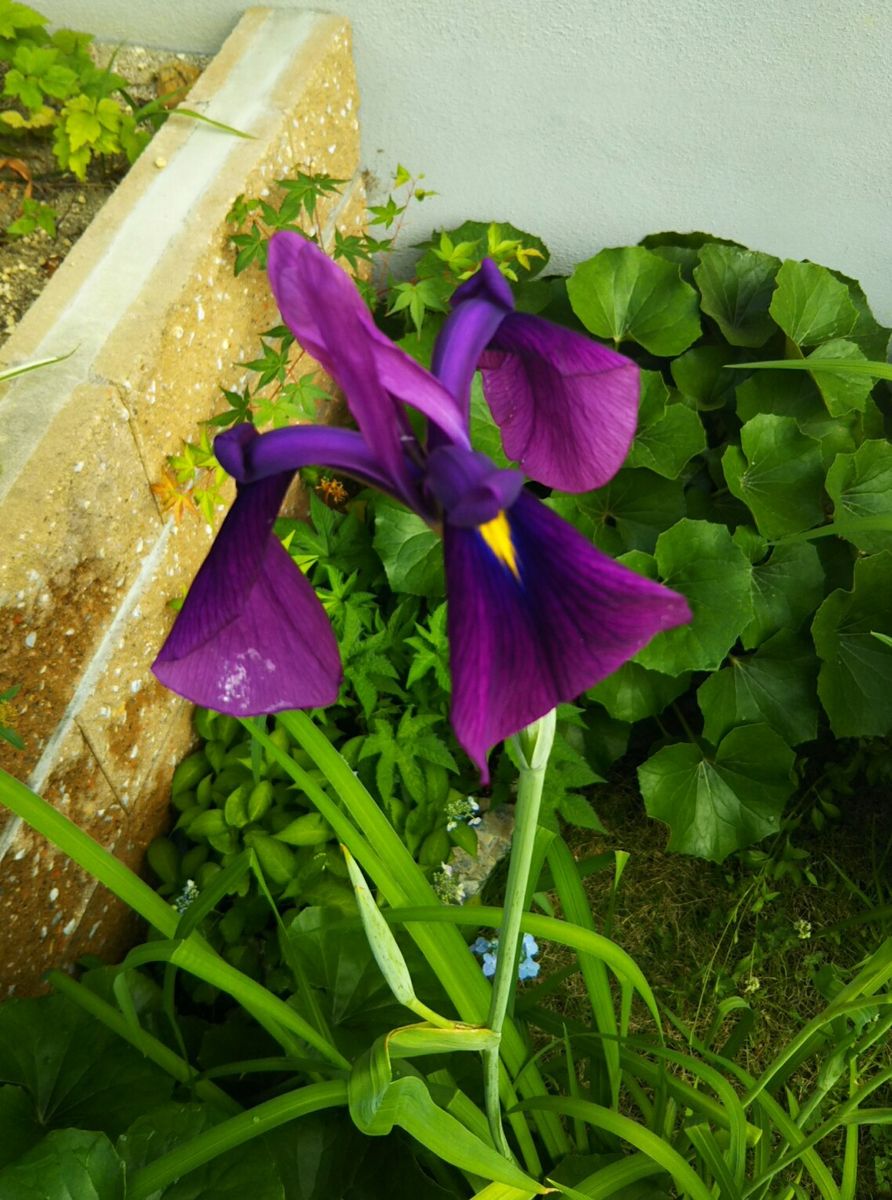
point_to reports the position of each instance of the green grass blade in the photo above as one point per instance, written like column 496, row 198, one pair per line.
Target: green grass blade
column 609, row 1180
column 153, row 1049
column 549, row 928
column 87, row 853
column 594, row 973
column 179, row 111
column 706, row 1145
column 381, row 854
column 845, row 366
column 235, row 1132
column 194, row 956
column 645, row 1141
column 14, row 372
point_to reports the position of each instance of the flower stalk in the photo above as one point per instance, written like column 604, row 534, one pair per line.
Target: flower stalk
column 533, row 747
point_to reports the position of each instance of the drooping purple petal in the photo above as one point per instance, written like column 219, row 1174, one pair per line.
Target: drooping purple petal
column 567, row 406
column 329, row 318
column 539, row 623
column 249, row 456
column 251, row 637
column 478, row 308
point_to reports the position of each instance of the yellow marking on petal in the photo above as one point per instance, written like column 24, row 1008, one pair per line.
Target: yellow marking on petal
column 497, row 535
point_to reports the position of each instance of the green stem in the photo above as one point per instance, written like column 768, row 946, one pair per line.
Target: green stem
column 234, row 1132
column 534, row 747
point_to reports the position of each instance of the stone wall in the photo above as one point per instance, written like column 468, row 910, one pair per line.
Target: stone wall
column 148, row 302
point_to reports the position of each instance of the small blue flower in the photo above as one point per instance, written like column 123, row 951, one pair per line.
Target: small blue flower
column 488, row 950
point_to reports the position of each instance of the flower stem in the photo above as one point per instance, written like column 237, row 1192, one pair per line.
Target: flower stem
column 533, row 746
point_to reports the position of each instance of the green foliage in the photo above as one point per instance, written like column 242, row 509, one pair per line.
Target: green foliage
column 7, row 733
column 52, row 85
column 730, row 477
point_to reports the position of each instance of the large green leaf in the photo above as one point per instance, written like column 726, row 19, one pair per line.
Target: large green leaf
column 247, row 1170
column 69, row 1164
column 778, row 474
column 629, row 292
column 735, row 288
column 669, row 433
column 411, row 552
column 75, row 1070
column 860, row 485
column 856, row 668
column 842, row 392
column 784, row 393
column 632, row 510
column 19, row 1127
column 633, row 693
column 702, row 375
column 787, row 587
column 810, row 305
column 775, row 686
column 715, row 802
column 701, row 561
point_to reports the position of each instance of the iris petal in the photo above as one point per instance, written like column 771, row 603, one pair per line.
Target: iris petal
column 522, row 643
column 251, row 637
column 567, row 406
column 249, row 456
column 329, row 318
column 478, row 308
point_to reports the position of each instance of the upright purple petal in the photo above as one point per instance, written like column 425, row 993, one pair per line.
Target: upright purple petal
column 478, row 308
column 537, row 616
column 327, row 315
column 251, row 637
column 567, row 406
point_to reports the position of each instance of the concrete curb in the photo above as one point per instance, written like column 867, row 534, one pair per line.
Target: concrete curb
column 87, row 560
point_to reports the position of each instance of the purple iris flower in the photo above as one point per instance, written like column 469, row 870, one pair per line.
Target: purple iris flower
column 536, row 614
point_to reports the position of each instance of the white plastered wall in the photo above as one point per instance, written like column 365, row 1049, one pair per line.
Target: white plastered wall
column 594, row 122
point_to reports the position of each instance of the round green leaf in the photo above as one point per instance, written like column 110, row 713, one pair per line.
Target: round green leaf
column 632, row 510
column 69, row 1164
column 75, row 1070
column 411, row 552
column 718, row 802
column 20, row 1126
column 701, row 561
column 842, row 392
column 629, row 292
column 633, row 693
column 735, row 288
column 787, row 588
column 810, row 305
column 860, row 485
column 779, row 475
column 669, row 435
column 856, row 668
column 775, row 686
column 702, row 375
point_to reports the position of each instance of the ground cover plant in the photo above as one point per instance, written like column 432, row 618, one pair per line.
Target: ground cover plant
column 301, row 975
